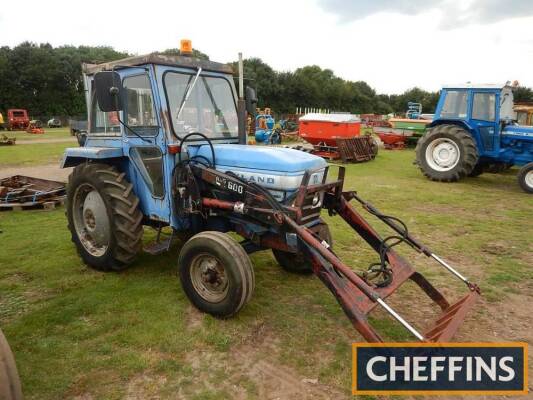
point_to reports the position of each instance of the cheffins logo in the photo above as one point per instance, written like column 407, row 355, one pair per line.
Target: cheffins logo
column 439, row 368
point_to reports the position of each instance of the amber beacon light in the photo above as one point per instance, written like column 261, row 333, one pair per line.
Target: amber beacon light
column 185, row 47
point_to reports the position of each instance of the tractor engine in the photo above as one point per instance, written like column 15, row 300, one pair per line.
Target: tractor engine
column 278, row 170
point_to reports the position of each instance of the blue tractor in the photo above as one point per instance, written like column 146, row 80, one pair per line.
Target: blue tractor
column 166, row 148
column 414, row 110
column 266, row 131
column 473, row 132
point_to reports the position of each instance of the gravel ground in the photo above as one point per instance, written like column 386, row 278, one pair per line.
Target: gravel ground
column 47, row 171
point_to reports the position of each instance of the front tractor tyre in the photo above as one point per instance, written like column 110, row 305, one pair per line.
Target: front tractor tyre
column 525, row 178
column 216, row 273
column 103, row 217
column 446, row 153
column 298, row 263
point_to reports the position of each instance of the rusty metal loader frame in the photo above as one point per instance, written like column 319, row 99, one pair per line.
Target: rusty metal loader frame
column 203, row 190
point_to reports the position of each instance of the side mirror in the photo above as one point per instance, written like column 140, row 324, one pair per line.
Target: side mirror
column 251, row 100
column 109, row 90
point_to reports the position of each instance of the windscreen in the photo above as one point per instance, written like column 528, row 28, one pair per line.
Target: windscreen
column 209, row 108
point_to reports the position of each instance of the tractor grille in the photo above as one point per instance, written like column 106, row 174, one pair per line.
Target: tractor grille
column 311, row 206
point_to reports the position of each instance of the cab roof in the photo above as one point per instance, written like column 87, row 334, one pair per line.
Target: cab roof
column 159, row 59
column 476, row 86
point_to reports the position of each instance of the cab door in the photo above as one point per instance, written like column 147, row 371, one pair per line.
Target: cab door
column 486, row 121
column 144, row 144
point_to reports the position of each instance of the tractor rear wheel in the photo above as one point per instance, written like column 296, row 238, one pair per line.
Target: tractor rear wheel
column 446, row 153
column 216, row 273
column 525, row 178
column 103, row 217
column 10, row 388
column 298, row 263
column 478, row 170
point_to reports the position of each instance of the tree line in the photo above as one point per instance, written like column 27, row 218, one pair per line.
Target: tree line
column 47, row 81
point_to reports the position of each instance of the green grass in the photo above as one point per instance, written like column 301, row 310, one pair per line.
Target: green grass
column 49, row 133
column 79, row 332
column 32, row 154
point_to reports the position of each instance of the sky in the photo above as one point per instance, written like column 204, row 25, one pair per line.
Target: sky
column 393, row 45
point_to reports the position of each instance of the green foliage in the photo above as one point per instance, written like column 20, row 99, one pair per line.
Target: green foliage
column 46, row 80
column 398, row 102
column 312, row 86
column 523, row 94
column 177, row 52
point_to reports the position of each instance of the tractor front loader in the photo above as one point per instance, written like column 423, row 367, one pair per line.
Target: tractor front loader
column 166, row 148
column 228, row 196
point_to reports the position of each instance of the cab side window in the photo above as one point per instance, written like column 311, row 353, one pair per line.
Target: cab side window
column 102, row 123
column 139, row 108
column 484, row 107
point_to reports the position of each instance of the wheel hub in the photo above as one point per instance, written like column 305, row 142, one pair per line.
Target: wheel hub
column 529, row 179
column 91, row 220
column 442, row 154
column 209, row 278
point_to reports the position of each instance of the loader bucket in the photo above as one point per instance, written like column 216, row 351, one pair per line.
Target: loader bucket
column 357, row 295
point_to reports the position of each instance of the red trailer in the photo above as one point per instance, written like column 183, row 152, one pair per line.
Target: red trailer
column 17, row 119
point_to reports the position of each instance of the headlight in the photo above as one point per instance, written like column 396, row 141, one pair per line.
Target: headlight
column 316, row 200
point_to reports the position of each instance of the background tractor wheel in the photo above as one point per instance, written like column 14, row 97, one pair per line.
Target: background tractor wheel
column 297, row 263
column 375, row 148
column 103, row 217
column 496, row 168
column 216, row 273
column 525, row 178
column 10, row 388
column 446, row 153
column 478, row 170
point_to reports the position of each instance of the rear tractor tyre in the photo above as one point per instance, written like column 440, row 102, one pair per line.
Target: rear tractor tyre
column 478, row 170
column 525, row 178
column 446, row 153
column 10, row 388
column 103, row 217
column 375, row 147
column 298, row 263
column 216, row 273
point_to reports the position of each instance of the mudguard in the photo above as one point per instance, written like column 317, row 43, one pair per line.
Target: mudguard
column 76, row 155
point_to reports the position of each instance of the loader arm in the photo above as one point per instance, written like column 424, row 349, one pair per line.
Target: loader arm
column 358, row 294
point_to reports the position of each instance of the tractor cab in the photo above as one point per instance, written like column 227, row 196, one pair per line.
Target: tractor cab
column 474, row 131
column 486, row 109
column 147, row 114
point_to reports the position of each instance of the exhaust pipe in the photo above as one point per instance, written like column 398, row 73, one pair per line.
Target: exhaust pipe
column 241, row 105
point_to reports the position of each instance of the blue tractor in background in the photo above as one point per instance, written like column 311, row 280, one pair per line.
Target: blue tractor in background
column 414, row 110
column 474, row 131
column 266, row 131
column 166, row 149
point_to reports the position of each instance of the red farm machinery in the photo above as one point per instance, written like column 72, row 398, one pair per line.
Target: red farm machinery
column 337, row 136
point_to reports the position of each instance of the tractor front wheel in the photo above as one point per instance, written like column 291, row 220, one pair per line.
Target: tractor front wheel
column 525, row 178
column 103, row 217
column 216, row 273
column 10, row 388
column 446, row 153
column 298, row 263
